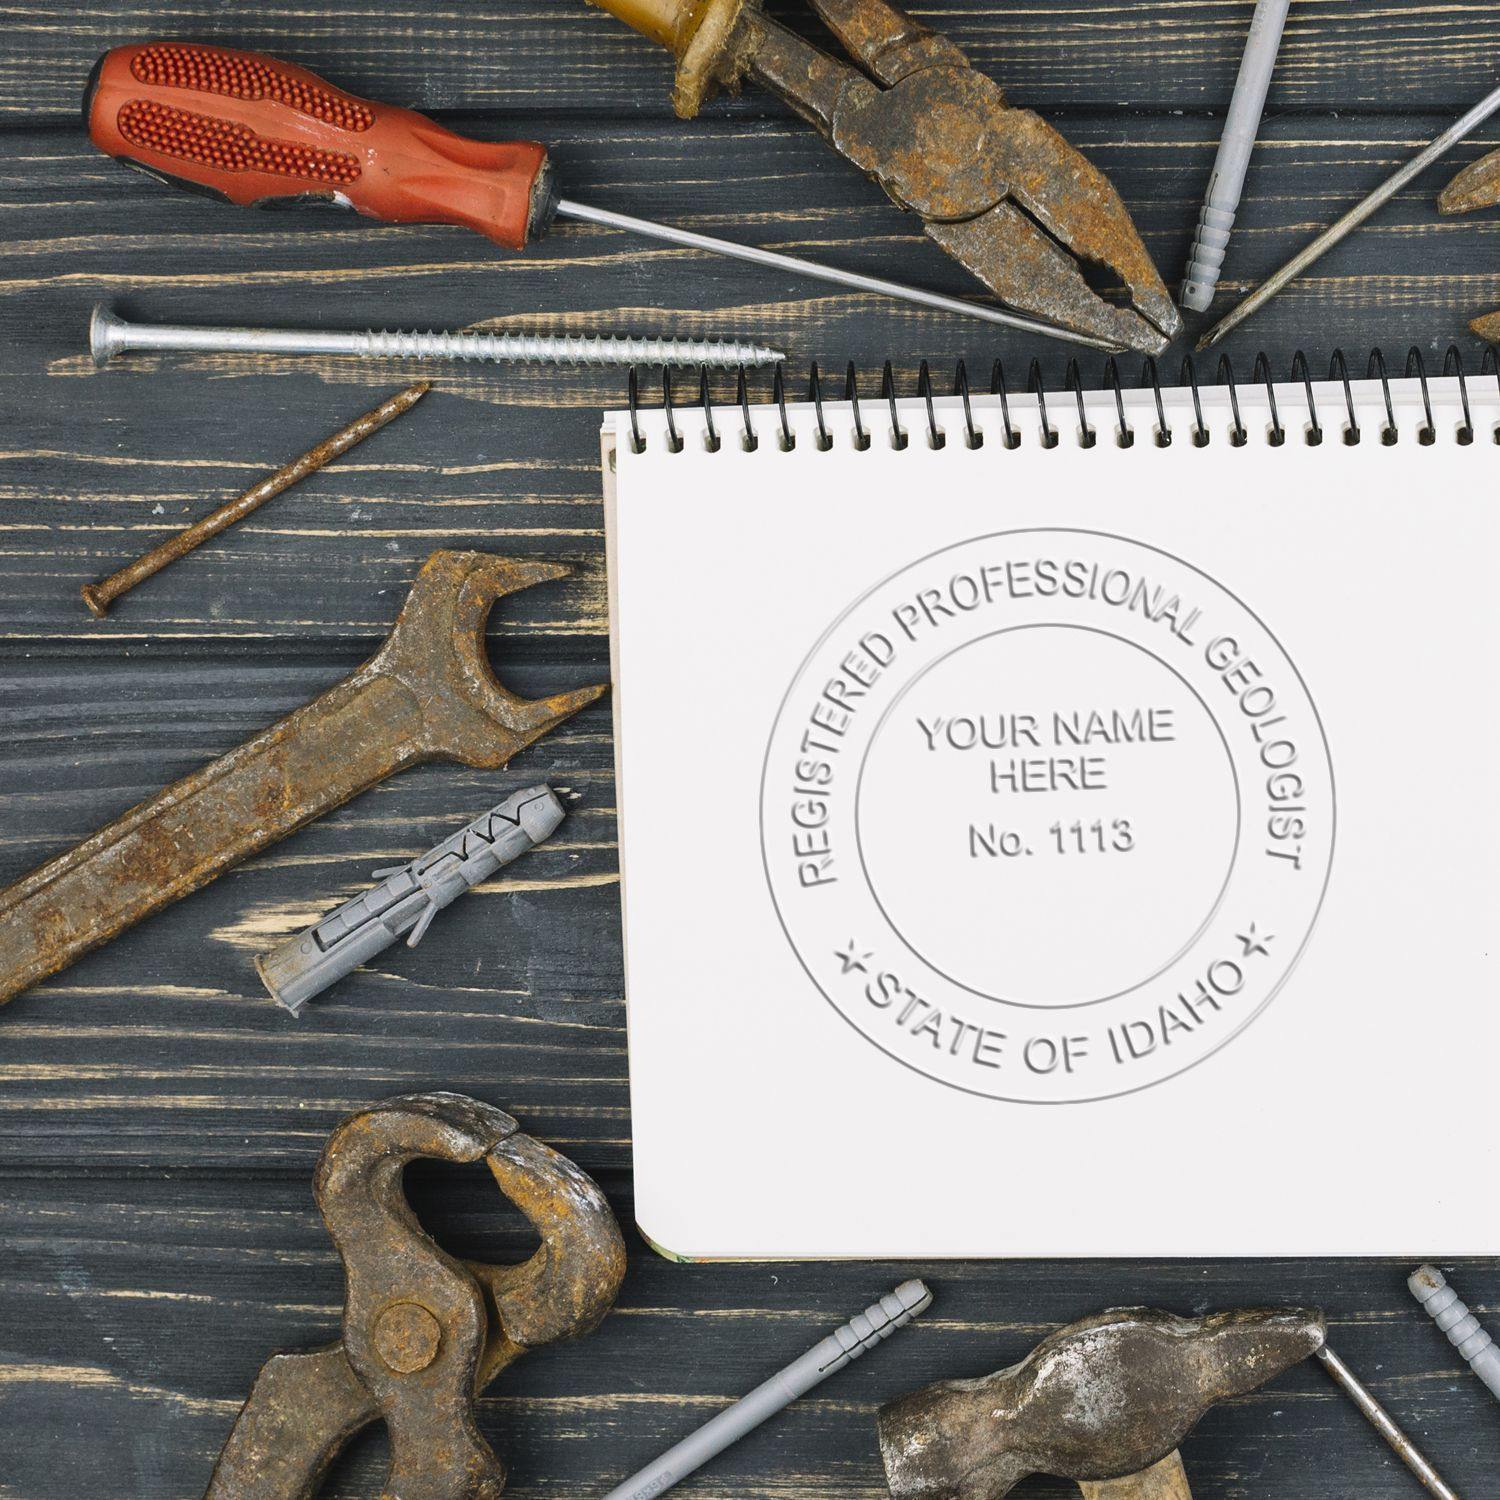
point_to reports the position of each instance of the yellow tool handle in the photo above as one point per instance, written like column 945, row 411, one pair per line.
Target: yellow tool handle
column 700, row 34
column 670, row 22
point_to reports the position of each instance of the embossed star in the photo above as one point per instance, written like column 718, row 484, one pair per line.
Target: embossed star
column 1253, row 942
column 853, row 959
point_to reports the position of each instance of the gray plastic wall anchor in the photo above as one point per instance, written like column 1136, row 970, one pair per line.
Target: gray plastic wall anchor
column 844, row 1345
column 407, row 899
column 1227, row 181
column 1431, row 1289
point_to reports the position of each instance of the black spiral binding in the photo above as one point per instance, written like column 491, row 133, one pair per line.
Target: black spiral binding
column 1124, row 434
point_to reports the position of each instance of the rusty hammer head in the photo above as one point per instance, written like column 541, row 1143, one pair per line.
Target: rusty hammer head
column 1108, row 1398
column 437, row 652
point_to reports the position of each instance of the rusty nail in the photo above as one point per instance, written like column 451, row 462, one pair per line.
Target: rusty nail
column 99, row 596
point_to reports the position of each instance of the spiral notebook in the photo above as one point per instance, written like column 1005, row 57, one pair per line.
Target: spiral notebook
column 1064, row 824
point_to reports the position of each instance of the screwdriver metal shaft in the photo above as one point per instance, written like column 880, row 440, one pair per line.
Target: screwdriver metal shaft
column 754, row 255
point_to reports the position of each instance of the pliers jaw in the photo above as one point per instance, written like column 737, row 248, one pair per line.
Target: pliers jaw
column 996, row 187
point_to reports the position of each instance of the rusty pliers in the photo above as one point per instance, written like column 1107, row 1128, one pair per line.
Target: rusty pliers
column 423, row 1333
column 996, row 187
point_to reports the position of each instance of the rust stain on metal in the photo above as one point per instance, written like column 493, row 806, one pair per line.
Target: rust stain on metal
column 423, row 1334
column 99, row 596
column 1108, row 1398
column 996, row 187
column 428, row 694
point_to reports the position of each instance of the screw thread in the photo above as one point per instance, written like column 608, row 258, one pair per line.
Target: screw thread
column 1463, row 1330
column 523, row 348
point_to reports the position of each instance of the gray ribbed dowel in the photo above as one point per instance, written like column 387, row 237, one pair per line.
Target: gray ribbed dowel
column 1431, row 1289
column 110, row 335
column 874, row 1324
column 1227, row 182
column 407, row 899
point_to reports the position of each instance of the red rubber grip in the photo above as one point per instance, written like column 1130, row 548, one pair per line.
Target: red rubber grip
column 258, row 131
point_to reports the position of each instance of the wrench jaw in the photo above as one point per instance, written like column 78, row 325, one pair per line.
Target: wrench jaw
column 438, row 649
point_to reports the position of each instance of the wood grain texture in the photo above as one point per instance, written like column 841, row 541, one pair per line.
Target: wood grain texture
column 541, row 58
column 159, row 1116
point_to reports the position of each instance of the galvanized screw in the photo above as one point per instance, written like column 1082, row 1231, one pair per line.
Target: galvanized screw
column 110, row 335
column 1431, row 1289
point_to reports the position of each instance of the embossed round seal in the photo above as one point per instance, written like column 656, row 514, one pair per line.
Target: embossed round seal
column 1048, row 815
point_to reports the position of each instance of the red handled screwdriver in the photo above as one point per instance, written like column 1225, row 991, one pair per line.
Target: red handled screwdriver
column 255, row 131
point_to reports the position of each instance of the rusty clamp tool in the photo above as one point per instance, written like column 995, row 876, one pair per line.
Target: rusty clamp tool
column 428, row 694
column 423, row 1333
column 998, row 188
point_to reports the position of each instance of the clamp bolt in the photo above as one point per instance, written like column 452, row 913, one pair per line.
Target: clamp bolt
column 407, row 1337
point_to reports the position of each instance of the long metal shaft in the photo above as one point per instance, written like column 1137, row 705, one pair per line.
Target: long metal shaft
column 880, row 287
column 1385, row 1425
column 1354, row 218
column 99, row 596
column 110, row 335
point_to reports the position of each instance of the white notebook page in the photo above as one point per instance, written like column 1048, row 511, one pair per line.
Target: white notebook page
column 1062, row 851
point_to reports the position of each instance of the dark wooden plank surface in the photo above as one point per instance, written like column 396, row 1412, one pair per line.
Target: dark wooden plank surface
column 159, row 1118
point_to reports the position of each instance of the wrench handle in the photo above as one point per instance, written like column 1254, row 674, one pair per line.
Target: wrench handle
column 314, row 760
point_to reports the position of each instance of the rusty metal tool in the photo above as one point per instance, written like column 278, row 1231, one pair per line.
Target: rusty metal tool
column 996, row 187
column 1104, row 1402
column 423, row 1334
column 1347, row 223
column 429, row 693
column 407, row 899
column 99, row 596
column 254, row 130
column 1461, row 1328
column 1476, row 187
column 827, row 1357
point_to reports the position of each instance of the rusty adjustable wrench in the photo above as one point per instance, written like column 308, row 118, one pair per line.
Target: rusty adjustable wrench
column 423, row 1334
column 428, row 694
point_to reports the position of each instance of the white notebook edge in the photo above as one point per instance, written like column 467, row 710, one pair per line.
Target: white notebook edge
column 1407, row 403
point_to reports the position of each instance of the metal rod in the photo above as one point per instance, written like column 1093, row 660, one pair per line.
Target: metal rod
column 880, row 287
column 99, row 596
column 111, row 335
column 1385, row 1425
column 1354, row 218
